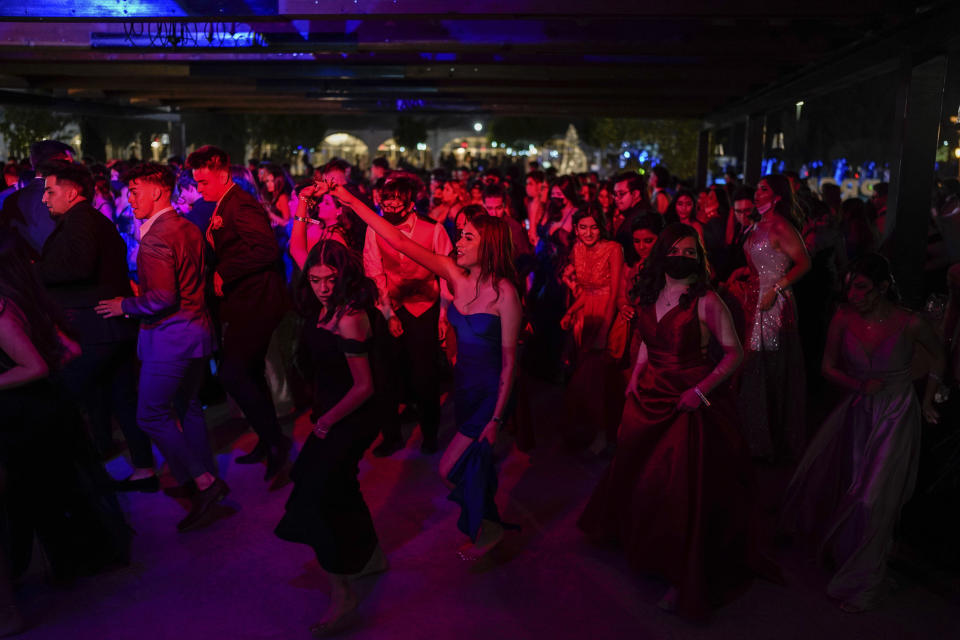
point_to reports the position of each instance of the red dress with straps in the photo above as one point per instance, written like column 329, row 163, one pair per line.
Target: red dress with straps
column 676, row 496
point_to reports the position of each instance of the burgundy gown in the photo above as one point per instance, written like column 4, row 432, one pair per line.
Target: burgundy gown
column 676, row 496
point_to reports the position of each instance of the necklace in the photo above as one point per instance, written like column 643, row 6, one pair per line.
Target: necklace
column 666, row 299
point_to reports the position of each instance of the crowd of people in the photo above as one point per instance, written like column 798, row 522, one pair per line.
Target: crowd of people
column 689, row 328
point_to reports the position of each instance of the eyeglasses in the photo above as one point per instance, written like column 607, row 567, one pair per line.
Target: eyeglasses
column 620, row 194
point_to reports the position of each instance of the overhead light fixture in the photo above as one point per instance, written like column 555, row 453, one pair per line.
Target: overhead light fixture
column 478, row 126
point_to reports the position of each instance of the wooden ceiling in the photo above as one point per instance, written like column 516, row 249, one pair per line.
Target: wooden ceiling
column 522, row 57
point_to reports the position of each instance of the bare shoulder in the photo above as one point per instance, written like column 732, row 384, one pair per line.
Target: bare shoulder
column 844, row 314
column 613, row 248
column 354, row 324
column 710, row 301
column 508, row 295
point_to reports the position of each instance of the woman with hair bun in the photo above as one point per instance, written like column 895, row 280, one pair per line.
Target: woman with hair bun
column 861, row 468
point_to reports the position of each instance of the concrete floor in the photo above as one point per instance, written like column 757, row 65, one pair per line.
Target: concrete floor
column 235, row 580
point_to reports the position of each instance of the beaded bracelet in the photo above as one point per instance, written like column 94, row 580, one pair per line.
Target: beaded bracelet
column 702, row 397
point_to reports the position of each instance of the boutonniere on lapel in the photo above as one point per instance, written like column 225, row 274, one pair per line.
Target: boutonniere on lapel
column 216, row 222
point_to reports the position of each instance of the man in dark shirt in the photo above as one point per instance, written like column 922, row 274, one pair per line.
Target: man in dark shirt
column 23, row 211
column 83, row 261
column 252, row 298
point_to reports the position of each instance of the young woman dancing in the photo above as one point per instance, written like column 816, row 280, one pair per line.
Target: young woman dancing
column 340, row 347
column 485, row 315
column 676, row 496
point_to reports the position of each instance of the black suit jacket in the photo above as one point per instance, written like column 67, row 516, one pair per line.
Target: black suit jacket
column 248, row 260
column 24, row 212
column 84, row 261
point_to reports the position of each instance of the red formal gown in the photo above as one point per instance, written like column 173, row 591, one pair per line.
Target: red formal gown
column 676, row 496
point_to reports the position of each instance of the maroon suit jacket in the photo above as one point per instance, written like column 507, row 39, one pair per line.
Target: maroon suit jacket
column 248, row 260
column 175, row 324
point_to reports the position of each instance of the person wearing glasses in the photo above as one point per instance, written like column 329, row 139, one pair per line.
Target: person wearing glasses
column 630, row 201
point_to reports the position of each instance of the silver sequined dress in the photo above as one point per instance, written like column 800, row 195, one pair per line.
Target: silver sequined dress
column 773, row 384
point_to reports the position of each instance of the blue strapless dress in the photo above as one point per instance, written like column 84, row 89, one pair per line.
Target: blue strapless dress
column 476, row 377
column 476, row 382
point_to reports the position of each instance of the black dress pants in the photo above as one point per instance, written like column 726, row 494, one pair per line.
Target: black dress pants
column 418, row 369
column 103, row 380
column 244, row 355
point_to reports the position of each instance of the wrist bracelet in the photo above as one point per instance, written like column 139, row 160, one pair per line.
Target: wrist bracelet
column 308, row 220
column 498, row 420
column 702, row 397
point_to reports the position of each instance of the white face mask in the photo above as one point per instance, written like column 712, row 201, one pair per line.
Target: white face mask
column 763, row 208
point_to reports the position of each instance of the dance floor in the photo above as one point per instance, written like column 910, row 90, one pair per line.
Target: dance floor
column 236, row 580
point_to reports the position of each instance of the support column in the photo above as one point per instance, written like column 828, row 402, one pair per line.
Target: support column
column 917, row 127
column 753, row 149
column 703, row 157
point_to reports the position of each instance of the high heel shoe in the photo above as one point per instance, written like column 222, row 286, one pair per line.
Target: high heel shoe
column 257, row 455
column 277, row 457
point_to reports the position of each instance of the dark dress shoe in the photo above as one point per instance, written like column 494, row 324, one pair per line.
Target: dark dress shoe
column 149, row 484
column 186, row 490
column 387, row 448
column 278, row 456
column 202, row 502
column 258, row 454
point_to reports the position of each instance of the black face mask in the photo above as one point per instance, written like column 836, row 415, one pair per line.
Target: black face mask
column 396, row 217
column 555, row 207
column 680, row 267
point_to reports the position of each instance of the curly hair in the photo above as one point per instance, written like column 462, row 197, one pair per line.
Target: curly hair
column 353, row 290
column 651, row 279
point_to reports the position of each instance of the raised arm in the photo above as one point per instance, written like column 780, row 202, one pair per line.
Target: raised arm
column 511, row 314
column 443, row 266
column 298, row 234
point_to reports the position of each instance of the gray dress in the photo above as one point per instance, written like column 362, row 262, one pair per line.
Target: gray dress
column 859, row 470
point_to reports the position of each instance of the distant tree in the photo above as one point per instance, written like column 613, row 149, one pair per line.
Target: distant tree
column 676, row 140
column 284, row 134
column 520, row 131
column 409, row 132
column 22, row 126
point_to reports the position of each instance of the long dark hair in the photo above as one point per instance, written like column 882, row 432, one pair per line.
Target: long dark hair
column 651, row 279
column 353, row 290
column 594, row 211
column 570, row 189
column 20, row 285
column 496, row 252
column 787, row 205
column 671, row 211
column 652, row 223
